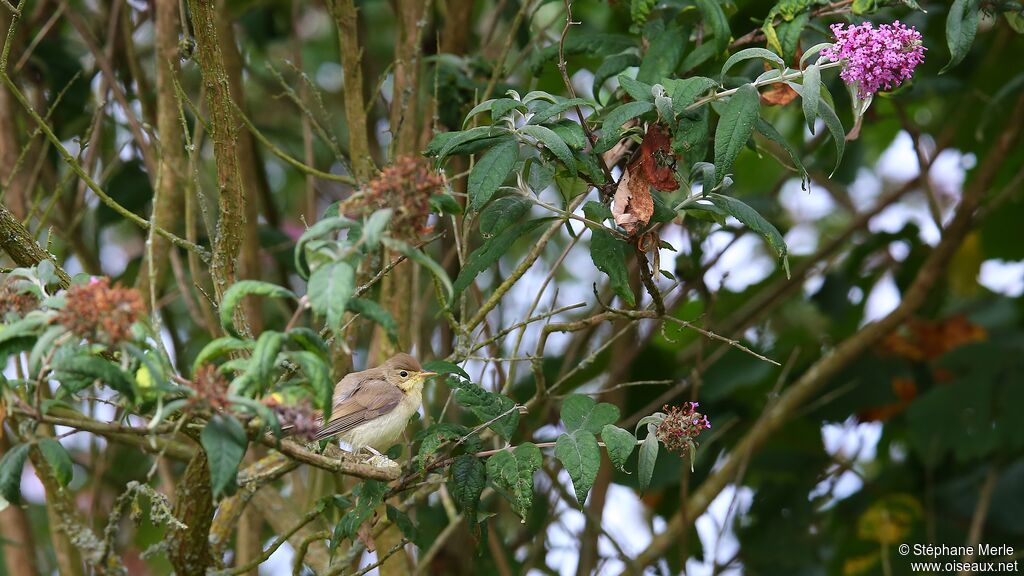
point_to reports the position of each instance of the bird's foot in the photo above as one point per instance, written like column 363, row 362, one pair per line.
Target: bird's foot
column 379, row 460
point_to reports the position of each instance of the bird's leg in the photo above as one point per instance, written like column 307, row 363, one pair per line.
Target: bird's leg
column 379, row 460
column 373, row 450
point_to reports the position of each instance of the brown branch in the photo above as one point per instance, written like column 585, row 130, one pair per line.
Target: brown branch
column 346, row 20
column 848, row 351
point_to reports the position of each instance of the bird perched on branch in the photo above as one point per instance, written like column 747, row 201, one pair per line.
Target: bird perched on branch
column 371, row 408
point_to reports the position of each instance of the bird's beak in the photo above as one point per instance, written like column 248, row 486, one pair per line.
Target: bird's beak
column 428, row 374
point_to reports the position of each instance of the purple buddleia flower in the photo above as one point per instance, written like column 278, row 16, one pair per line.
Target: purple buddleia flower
column 875, row 58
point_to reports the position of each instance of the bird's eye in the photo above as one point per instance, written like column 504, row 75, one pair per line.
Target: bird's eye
column 403, row 374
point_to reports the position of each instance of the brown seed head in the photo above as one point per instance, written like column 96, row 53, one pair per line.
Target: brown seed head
column 98, row 312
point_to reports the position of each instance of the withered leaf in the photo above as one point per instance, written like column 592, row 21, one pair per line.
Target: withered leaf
column 657, row 160
column 632, row 206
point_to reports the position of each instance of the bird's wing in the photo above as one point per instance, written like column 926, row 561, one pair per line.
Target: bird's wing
column 371, row 399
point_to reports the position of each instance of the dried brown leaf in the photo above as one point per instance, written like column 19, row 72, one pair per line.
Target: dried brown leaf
column 632, row 206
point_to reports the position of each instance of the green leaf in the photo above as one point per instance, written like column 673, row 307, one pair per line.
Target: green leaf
column 664, row 53
column 264, row 358
column 489, row 406
column 769, row 131
column 319, row 375
column 512, row 471
column 610, row 67
column 811, row 94
column 502, row 213
column 445, row 367
column 233, row 296
column 570, row 132
column 715, row 20
column 580, row 455
column 686, row 91
column 553, row 110
column 220, row 347
column 322, row 228
column 610, row 128
column 463, row 137
column 10, row 472
column 637, row 90
column 835, row 128
column 422, row 259
column 648, row 458
column 581, row 412
column 309, row 340
column 552, row 142
column 619, row 443
column 750, row 53
column 751, row 219
column 374, row 227
column 609, row 255
column 491, row 251
column 91, row 368
column 961, row 28
column 490, row 172
column 734, row 128
column 466, row 480
column 57, row 457
column 224, row 441
column 445, row 204
column 404, row 523
column 369, row 495
column 331, row 286
column 377, row 313
column 435, row 436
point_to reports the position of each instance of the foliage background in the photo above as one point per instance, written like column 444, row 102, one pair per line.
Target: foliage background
column 893, row 416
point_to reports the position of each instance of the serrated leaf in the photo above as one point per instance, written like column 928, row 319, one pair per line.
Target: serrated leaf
column 10, row 472
column 490, row 172
column 466, row 481
column 512, row 471
column 331, row 286
column 664, row 53
column 751, row 219
column 961, row 28
column 489, row 405
column 570, row 132
column 502, row 213
column 581, row 412
column 734, row 128
column 404, row 523
column 375, row 312
column 619, row 443
column 751, row 53
column 224, row 442
column 610, row 128
column 491, row 251
column 552, row 142
column 609, row 256
column 434, row 437
column 369, row 496
column 811, row 95
column 233, row 296
column 645, row 463
column 57, row 457
column 580, row 455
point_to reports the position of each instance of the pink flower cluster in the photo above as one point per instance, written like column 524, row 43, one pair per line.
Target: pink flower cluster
column 681, row 426
column 876, row 58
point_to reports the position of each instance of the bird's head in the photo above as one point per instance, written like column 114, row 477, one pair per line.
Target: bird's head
column 405, row 372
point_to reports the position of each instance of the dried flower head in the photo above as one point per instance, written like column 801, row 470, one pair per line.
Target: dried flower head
column 297, row 419
column 14, row 301
column 875, row 58
column 98, row 312
column 406, row 187
column 681, row 426
column 211, row 387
